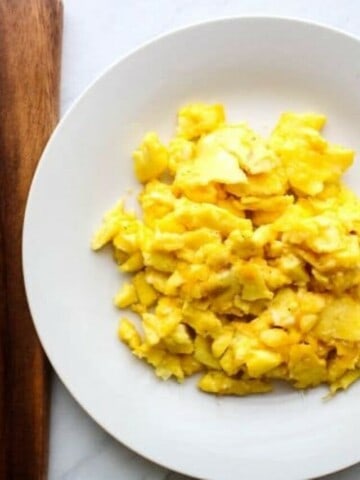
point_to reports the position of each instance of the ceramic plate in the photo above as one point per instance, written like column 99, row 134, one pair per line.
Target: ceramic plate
column 257, row 67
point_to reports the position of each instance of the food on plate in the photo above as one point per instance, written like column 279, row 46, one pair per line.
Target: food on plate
column 245, row 264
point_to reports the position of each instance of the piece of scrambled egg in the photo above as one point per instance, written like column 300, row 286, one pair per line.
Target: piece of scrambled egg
column 246, row 263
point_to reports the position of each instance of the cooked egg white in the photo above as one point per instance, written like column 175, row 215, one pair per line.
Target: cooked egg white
column 246, row 265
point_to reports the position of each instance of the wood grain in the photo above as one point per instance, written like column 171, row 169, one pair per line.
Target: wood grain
column 30, row 45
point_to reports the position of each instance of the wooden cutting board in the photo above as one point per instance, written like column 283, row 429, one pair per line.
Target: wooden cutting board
column 30, row 45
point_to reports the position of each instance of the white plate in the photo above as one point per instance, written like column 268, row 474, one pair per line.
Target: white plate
column 257, row 67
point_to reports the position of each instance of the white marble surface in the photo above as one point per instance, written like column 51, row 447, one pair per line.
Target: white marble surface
column 95, row 34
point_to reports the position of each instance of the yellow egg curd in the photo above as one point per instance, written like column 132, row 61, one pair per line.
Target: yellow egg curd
column 245, row 264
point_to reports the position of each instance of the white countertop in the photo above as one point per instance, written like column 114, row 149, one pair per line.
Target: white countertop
column 95, row 34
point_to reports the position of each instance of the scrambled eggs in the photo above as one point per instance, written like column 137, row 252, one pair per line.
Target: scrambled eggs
column 245, row 265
